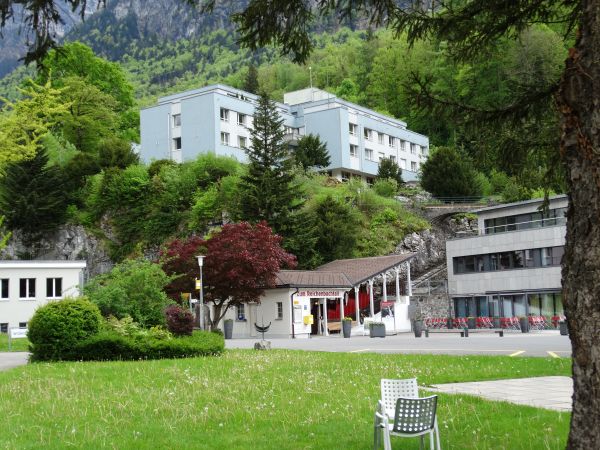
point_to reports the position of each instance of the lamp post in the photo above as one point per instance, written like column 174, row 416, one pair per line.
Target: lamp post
column 200, row 264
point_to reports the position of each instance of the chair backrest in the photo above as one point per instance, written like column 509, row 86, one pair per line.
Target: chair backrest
column 391, row 390
column 415, row 415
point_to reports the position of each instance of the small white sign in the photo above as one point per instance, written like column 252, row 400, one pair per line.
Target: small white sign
column 325, row 293
column 18, row 333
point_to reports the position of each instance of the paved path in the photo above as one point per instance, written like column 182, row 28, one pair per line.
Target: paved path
column 543, row 343
column 8, row 360
column 541, row 392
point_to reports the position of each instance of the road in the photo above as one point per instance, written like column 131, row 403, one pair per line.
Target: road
column 8, row 360
column 541, row 343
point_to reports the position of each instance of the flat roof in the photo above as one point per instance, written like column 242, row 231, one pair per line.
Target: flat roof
column 524, row 202
column 42, row 264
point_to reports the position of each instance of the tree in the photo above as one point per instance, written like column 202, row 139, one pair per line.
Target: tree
column 267, row 190
column 467, row 28
column 337, row 229
column 447, row 173
column 389, row 169
column 32, row 196
column 178, row 260
column 4, row 236
column 311, row 153
column 133, row 288
column 241, row 261
column 251, row 81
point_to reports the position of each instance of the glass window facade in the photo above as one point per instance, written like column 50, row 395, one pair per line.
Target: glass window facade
column 548, row 304
column 515, row 259
column 556, row 216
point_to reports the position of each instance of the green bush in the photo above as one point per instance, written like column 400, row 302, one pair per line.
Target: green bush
column 112, row 346
column 58, row 327
column 386, row 187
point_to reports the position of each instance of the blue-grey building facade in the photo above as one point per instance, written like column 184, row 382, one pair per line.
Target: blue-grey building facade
column 218, row 119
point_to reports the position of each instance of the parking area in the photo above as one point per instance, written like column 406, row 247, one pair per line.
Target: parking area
column 542, row 344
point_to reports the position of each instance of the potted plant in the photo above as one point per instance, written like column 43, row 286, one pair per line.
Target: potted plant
column 471, row 323
column 228, row 328
column 563, row 327
column 377, row 329
column 347, row 326
column 524, row 323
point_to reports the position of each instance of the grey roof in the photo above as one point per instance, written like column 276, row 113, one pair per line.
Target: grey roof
column 524, row 202
column 342, row 273
column 312, row 278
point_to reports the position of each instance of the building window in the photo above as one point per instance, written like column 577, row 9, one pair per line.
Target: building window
column 242, row 142
column 380, row 138
column 176, row 120
column 224, row 115
column 380, row 156
column 515, row 259
column 369, row 154
column 241, row 312
column 4, row 288
column 413, row 149
column 403, row 164
column 393, row 159
column 402, row 145
column 224, row 138
column 352, row 129
column 177, row 143
column 368, row 134
column 345, row 176
column 413, row 166
column 242, row 119
column 3, row 328
column 53, row 287
column 353, row 150
column 27, row 288
column 392, row 141
column 279, row 310
column 22, row 324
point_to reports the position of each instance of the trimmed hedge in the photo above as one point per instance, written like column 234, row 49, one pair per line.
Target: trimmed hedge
column 57, row 327
column 112, row 346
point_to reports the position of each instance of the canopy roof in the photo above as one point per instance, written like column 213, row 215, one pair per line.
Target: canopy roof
column 341, row 273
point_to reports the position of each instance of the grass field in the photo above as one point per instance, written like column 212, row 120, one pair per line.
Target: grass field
column 18, row 345
column 261, row 400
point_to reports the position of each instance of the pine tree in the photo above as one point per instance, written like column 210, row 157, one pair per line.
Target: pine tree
column 267, row 191
column 32, row 196
column 251, row 82
column 311, row 152
column 389, row 169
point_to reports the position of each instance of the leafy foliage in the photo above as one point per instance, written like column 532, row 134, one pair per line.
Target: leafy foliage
column 267, row 192
column 132, row 288
column 57, row 327
column 389, row 169
column 311, row 153
column 32, row 196
column 447, row 173
column 180, row 321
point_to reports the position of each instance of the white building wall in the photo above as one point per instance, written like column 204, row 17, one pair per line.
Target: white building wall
column 15, row 310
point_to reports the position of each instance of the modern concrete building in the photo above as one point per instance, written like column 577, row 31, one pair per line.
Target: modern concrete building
column 512, row 268
column 218, row 119
column 26, row 285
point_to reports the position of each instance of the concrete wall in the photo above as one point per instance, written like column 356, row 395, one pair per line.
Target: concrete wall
column 15, row 309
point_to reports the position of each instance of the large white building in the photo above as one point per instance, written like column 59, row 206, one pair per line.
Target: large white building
column 26, row 285
column 512, row 268
column 218, row 119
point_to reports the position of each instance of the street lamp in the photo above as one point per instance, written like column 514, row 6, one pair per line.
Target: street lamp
column 200, row 264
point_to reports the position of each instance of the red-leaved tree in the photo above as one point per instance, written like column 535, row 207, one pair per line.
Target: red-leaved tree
column 178, row 259
column 240, row 262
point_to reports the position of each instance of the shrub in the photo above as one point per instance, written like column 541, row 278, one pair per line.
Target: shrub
column 134, row 288
column 386, row 187
column 57, row 328
column 180, row 321
column 449, row 173
column 112, row 346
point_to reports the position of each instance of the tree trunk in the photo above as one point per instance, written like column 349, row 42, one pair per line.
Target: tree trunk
column 578, row 100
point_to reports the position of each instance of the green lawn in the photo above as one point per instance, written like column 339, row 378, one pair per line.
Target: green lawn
column 261, row 400
column 18, row 345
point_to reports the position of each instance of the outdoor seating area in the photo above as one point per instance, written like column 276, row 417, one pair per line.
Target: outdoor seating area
column 536, row 323
column 401, row 412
